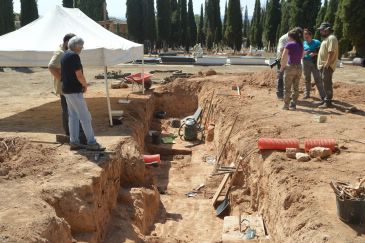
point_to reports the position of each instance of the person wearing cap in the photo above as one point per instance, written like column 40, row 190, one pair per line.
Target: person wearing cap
column 327, row 61
column 74, row 85
column 283, row 40
column 54, row 67
column 311, row 48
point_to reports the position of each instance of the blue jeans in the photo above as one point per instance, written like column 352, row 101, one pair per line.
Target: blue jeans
column 79, row 113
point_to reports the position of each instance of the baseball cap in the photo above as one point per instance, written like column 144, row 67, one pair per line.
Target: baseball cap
column 325, row 26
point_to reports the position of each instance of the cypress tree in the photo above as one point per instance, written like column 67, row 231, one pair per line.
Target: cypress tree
column 353, row 24
column 201, row 37
column 311, row 10
column 175, row 24
column 149, row 22
column 192, row 24
column 28, row 12
column 163, row 22
column 344, row 42
column 225, row 22
column 331, row 11
column 320, row 18
column 6, row 17
column 68, row 3
column 272, row 21
column 217, row 22
column 256, row 26
column 233, row 34
column 246, row 28
column 296, row 13
column 134, row 20
column 184, row 24
column 94, row 9
column 285, row 15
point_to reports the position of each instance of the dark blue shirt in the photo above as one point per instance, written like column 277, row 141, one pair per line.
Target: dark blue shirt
column 70, row 63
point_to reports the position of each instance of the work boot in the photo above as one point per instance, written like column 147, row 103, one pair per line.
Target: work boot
column 306, row 96
column 95, row 147
column 292, row 106
column 286, row 107
column 76, row 146
column 325, row 105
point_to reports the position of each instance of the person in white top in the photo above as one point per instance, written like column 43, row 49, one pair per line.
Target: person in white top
column 284, row 39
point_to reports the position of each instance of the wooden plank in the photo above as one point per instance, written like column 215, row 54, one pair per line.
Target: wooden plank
column 220, row 188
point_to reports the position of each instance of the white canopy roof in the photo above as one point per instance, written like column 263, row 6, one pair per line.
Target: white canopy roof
column 34, row 44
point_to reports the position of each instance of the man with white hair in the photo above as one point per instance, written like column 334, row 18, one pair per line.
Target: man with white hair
column 73, row 86
column 54, row 67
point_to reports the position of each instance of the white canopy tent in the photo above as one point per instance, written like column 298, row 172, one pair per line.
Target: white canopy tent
column 33, row 45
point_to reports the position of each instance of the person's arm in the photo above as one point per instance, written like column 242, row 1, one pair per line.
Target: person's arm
column 284, row 60
column 56, row 72
column 330, row 59
column 81, row 78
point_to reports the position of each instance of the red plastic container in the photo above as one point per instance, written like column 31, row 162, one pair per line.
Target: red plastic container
column 150, row 158
column 277, row 144
column 322, row 142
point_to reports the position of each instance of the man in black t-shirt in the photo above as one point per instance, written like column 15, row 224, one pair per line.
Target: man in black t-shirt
column 73, row 86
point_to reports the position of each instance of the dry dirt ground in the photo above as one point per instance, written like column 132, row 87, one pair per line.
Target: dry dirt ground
column 48, row 192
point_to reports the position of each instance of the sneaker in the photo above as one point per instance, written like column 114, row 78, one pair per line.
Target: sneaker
column 95, row 147
column 280, row 97
column 292, row 106
column 286, row 107
column 76, row 146
column 325, row 105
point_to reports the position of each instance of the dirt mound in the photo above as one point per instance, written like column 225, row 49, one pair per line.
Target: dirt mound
column 19, row 158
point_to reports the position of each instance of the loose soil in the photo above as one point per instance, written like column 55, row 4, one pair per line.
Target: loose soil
column 50, row 194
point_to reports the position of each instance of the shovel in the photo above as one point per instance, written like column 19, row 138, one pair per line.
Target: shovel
column 222, row 206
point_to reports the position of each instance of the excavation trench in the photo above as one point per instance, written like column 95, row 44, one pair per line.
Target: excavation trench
column 122, row 200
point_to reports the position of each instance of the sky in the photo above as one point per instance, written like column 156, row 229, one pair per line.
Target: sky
column 117, row 8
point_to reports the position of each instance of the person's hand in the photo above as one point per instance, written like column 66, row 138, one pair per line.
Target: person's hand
column 84, row 89
column 312, row 54
column 326, row 65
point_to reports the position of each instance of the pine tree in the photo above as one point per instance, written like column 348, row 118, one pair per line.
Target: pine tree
column 134, row 20
column 192, row 24
column 320, row 18
column 68, row 3
column 246, row 28
column 6, row 17
column 272, row 22
column 256, row 26
column 233, row 33
column 163, row 22
column 28, row 12
column 331, row 11
column 353, row 24
column 285, row 15
column 201, row 36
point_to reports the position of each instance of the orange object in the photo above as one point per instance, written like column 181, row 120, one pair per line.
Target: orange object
column 277, row 144
column 322, row 142
column 151, row 158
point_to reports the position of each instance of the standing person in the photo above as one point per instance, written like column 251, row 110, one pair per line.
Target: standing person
column 292, row 67
column 311, row 48
column 73, row 86
column 54, row 67
column 327, row 61
column 284, row 39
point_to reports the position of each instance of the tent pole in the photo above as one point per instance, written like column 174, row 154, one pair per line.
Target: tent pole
column 142, row 69
column 107, row 95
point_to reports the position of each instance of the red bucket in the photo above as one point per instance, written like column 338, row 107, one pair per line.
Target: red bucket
column 151, row 158
column 324, row 142
column 277, row 144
